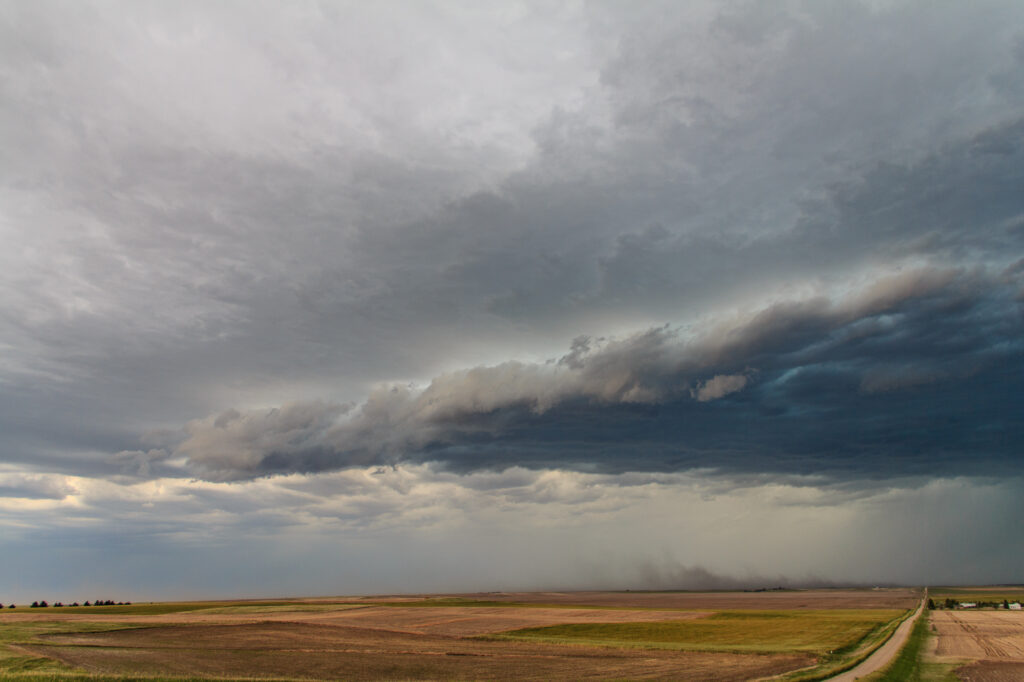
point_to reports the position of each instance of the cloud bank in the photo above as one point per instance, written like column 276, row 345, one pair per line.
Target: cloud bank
column 869, row 384
column 256, row 250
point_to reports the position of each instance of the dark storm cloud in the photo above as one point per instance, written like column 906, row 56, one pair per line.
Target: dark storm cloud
column 286, row 205
column 918, row 374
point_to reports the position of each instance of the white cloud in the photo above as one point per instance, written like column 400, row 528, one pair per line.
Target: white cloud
column 720, row 385
column 35, row 486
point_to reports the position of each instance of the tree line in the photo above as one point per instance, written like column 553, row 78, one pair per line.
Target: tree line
column 45, row 604
column 954, row 604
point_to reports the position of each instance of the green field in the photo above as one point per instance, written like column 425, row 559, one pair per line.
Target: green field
column 820, row 632
column 939, row 595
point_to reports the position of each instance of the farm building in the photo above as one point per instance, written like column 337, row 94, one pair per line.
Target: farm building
column 1014, row 606
column 968, row 604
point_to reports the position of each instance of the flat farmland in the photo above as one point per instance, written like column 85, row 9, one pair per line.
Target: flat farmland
column 699, row 636
column 760, row 631
column 338, row 652
column 900, row 598
column 978, row 594
column 481, row 620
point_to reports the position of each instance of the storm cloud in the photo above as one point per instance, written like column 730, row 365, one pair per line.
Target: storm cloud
column 255, row 242
column 914, row 373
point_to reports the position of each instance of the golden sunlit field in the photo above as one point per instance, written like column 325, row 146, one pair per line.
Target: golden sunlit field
column 985, row 645
column 595, row 635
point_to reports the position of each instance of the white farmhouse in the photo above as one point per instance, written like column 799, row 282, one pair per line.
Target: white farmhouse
column 968, row 604
column 1015, row 606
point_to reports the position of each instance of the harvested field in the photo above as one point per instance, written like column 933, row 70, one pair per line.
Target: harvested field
column 991, row 671
column 480, row 620
column 979, row 635
column 442, row 620
column 310, row 650
column 713, row 601
column 760, row 631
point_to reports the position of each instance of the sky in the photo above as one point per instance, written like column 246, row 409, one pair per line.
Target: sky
column 319, row 298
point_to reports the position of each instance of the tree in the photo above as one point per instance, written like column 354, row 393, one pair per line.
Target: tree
column 931, row 605
column 1006, row 605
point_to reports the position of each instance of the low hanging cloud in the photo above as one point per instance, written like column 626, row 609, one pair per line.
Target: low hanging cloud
column 797, row 386
column 720, row 385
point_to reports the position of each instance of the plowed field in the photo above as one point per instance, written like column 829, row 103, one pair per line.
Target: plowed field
column 463, row 621
column 993, row 639
column 336, row 652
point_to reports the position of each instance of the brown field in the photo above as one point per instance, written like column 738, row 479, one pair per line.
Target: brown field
column 463, row 622
column 898, row 598
column 991, row 671
column 993, row 639
column 337, row 652
column 440, row 620
column 439, row 637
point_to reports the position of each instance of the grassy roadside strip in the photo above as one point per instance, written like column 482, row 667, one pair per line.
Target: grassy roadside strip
column 850, row 657
column 905, row 665
column 910, row 665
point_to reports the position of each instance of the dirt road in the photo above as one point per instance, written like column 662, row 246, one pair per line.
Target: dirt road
column 885, row 653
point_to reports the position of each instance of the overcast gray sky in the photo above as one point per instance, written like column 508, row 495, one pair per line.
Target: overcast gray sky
column 333, row 297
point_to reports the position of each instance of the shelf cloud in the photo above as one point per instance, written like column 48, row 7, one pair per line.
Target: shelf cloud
column 802, row 386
